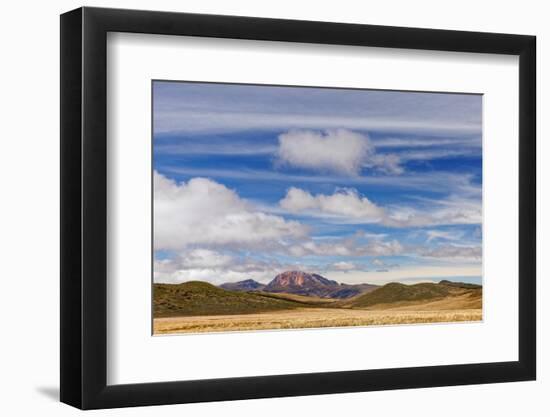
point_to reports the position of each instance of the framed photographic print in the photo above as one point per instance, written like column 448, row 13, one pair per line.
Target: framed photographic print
column 264, row 220
column 257, row 208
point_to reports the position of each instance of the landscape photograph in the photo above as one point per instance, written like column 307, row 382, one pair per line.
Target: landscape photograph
column 284, row 207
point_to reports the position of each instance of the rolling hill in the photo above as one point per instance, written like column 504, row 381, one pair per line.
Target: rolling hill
column 399, row 295
column 196, row 298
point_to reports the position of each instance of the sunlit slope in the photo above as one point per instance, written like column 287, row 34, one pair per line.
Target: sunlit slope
column 442, row 295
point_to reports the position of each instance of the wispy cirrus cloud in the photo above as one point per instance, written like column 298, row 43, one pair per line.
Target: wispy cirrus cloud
column 434, row 181
column 466, row 143
column 443, row 235
column 232, row 121
column 386, row 154
column 228, row 148
column 452, row 252
column 207, row 108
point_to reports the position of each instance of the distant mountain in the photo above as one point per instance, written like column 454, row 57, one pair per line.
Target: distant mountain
column 298, row 280
column 246, row 285
column 303, row 283
column 196, row 298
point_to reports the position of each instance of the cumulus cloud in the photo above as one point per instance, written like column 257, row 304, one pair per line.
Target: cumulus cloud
column 170, row 273
column 204, row 212
column 215, row 267
column 205, row 258
column 345, row 202
column 343, row 266
column 339, row 151
column 348, row 206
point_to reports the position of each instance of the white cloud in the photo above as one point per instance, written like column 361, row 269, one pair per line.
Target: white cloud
column 452, row 252
column 378, row 262
column 201, row 121
column 385, row 266
column 339, row 151
column 443, row 235
column 452, row 210
column 232, row 147
column 215, row 267
column 467, row 143
column 346, row 202
column 385, row 163
column 347, row 247
column 347, row 206
column 343, row 266
column 436, row 181
column 427, row 155
column 204, row 212
column 202, row 258
column 215, row 276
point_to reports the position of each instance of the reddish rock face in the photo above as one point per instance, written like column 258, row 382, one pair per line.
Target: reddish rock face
column 298, row 282
column 302, row 283
column 300, row 279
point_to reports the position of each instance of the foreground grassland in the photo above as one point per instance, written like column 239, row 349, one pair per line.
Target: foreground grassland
column 312, row 318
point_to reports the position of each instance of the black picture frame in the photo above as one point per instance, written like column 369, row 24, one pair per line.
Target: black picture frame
column 84, row 207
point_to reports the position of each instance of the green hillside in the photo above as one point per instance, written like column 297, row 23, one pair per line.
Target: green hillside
column 396, row 292
column 460, row 284
column 197, row 298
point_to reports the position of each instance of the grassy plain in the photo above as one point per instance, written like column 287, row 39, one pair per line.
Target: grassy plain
column 310, row 318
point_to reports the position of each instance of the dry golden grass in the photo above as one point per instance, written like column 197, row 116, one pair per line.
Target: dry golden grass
column 466, row 301
column 310, row 318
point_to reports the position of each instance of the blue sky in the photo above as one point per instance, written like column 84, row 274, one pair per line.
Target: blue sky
column 358, row 185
